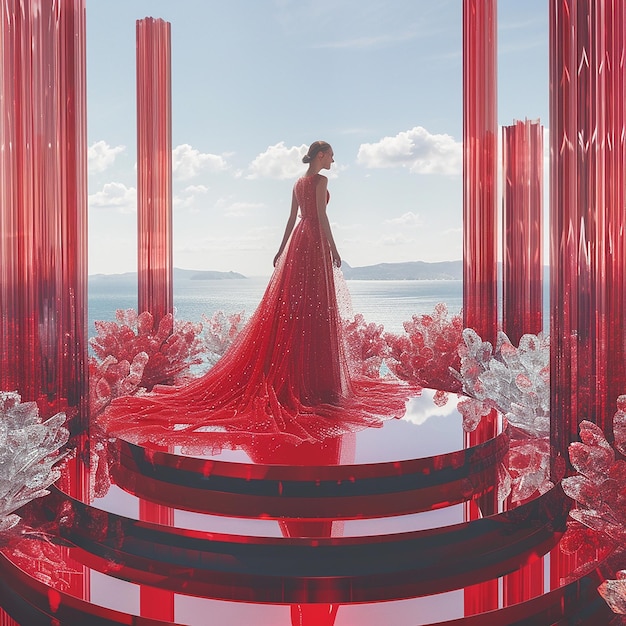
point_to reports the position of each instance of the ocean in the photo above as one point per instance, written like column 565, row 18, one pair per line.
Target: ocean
column 386, row 302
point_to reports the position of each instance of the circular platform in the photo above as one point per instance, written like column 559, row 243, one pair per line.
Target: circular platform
column 367, row 528
column 370, row 473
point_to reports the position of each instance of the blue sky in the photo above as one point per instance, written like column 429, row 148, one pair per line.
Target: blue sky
column 255, row 81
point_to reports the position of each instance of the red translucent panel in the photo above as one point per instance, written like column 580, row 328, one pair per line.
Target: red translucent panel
column 154, row 168
column 587, row 214
column 43, row 200
column 615, row 190
column 522, row 232
column 480, row 306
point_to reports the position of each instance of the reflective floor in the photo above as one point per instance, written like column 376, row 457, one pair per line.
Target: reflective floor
column 383, row 526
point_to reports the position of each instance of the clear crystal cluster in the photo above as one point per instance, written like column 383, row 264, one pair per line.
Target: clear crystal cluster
column 614, row 593
column 598, row 486
column 220, row 331
column 597, row 524
column 30, row 450
column 366, row 346
column 428, row 350
column 516, row 382
column 130, row 354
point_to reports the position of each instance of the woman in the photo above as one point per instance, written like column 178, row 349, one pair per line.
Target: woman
column 286, row 372
column 319, row 157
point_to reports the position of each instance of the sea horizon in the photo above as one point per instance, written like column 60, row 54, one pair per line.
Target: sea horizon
column 384, row 302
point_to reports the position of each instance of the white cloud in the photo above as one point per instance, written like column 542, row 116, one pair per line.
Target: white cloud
column 186, row 199
column 421, row 409
column 406, row 219
column 188, row 162
column 231, row 208
column 196, row 189
column 278, row 161
column 395, row 240
column 416, row 149
column 115, row 196
column 100, row 156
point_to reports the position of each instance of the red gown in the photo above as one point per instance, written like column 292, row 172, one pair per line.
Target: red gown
column 285, row 374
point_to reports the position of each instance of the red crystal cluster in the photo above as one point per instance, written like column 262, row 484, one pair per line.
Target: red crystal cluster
column 131, row 354
column 428, row 350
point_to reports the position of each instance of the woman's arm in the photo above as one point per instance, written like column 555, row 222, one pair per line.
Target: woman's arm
column 289, row 227
column 321, row 196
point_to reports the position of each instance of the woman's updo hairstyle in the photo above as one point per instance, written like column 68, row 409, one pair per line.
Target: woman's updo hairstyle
column 314, row 148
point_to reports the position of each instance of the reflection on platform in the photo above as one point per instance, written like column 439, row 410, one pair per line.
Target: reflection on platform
column 276, row 533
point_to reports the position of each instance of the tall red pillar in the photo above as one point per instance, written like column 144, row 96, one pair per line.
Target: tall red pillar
column 154, row 168
column 43, row 216
column 480, row 127
column 480, row 273
column 587, row 213
column 522, row 229
column 154, row 223
column 43, row 204
column 615, row 185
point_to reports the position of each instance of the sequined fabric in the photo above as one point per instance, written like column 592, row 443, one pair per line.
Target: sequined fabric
column 286, row 373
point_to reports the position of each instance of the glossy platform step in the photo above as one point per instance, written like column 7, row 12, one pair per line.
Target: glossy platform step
column 87, row 597
column 372, row 473
column 274, row 536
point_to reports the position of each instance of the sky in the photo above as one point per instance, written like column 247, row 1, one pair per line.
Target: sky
column 254, row 82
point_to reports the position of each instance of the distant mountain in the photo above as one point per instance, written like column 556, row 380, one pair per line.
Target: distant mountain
column 208, row 275
column 411, row 270
column 179, row 275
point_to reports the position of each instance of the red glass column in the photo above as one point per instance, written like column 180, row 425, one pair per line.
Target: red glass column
column 615, row 186
column 154, row 223
column 587, row 210
column 522, row 231
column 154, row 168
column 5, row 620
column 480, row 306
column 43, row 197
column 523, row 584
column 43, row 213
column 156, row 603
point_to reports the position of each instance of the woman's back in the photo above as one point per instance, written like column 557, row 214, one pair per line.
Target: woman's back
column 306, row 195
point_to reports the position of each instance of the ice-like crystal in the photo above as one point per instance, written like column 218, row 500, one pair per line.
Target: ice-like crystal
column 528, row 465
column 219, row 332
column 598, row 487
column 619, row 425
column 473, row 411
column 514, row 380
column 614, row 593
column 366, row 346
column 131, row 354
column 598, row 521
column 586, row 543
column 29, row 451
column 52, row 567
column 428, row 350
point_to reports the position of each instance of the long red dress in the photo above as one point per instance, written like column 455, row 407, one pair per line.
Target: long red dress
column 285, row 374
